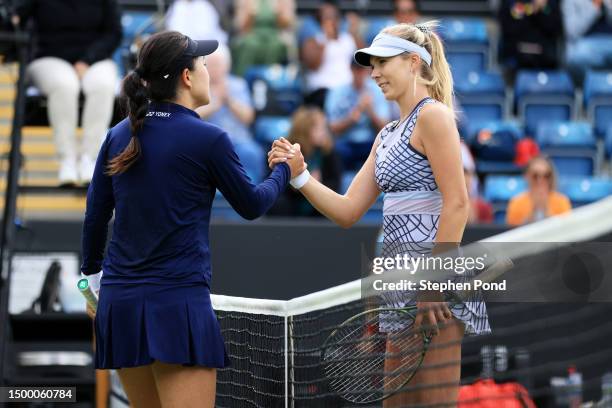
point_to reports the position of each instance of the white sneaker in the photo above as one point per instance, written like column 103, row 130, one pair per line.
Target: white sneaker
column 86, row 169
column 68, row 172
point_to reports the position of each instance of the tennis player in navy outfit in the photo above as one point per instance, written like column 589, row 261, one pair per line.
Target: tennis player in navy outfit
column 158, row 170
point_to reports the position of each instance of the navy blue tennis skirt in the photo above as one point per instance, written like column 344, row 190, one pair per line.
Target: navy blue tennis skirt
column 138, row 324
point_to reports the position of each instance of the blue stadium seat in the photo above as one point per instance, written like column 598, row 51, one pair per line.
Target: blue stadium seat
column 500, row 189
column 464, row 30
column 278, row 77
column 571, row 146
column 481, row 94
column 598, row 100
column 136, row 23
column 270, row 128
column 467, row 43
column 573, row 165
column 375, row 25
column 585, row 190
column 544, row 95
column 463, row 62
column 277, row 89
column 572, row 135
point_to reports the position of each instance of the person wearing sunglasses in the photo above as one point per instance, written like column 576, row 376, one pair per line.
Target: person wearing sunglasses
column 541, row 200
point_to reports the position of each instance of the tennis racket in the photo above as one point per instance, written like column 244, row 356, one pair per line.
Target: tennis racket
column 360, row 366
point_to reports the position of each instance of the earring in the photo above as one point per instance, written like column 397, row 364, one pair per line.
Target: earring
column 414, row 84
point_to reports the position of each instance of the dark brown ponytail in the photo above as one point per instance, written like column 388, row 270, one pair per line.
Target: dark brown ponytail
column 136, row 97
column 155, row 78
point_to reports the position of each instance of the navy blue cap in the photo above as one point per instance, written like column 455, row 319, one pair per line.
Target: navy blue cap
column 200, row 48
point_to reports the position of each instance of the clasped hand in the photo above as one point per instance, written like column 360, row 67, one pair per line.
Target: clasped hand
column 282, row 151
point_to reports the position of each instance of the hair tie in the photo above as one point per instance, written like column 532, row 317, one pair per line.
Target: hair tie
column 423, row 28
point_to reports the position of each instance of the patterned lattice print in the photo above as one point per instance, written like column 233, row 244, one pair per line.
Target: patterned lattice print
column 405, row 169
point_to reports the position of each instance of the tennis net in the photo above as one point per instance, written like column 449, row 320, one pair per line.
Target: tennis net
column 276, row 346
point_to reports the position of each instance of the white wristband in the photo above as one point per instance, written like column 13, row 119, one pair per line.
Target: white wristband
column 299, row 181
column 94, row 281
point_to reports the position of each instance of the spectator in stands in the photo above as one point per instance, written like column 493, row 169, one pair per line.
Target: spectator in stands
column 356, row 112
column 75, row 42
column 588, row 30
column 231, row 108
column 541, row 200
column 530, row 34
column 309, row 128
column 259, row 25
column 186, row 16
column 481, row 211
column 327, row 54
column 406, row 11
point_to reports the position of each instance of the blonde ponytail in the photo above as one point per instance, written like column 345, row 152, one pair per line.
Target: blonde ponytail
column 437, row 77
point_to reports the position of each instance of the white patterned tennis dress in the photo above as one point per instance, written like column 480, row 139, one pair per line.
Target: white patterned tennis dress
column 411, row 212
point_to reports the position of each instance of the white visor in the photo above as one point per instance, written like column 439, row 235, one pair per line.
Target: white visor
column 385, row 45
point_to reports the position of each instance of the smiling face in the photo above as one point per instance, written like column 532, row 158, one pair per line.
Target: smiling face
column 393, row 75
column 539, row 175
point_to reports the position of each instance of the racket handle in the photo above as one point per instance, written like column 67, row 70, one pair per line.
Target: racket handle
column 88, row 294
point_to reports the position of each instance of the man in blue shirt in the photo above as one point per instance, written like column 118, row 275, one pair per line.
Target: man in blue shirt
column 231, row 108
column 356, row 113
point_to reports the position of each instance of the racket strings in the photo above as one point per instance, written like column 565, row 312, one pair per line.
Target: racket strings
column 358, row 363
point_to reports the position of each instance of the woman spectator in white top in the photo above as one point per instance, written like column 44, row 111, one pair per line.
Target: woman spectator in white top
column 327, row 55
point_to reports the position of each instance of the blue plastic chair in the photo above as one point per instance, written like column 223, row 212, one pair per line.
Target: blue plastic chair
column 572, row 166
column 598, row 100
column 571, row 146
column 464, row 62
column 464, row 30
column 467, row 43
column 569, row 135
column 544, row 95
column 500, row 189
column 280, row 85
column 277, row 77
column 136, row 23
column 481, row 94
column 585, row 190
column 270, row 128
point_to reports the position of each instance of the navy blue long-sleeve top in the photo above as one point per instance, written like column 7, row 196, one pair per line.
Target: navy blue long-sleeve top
column 162, row 203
